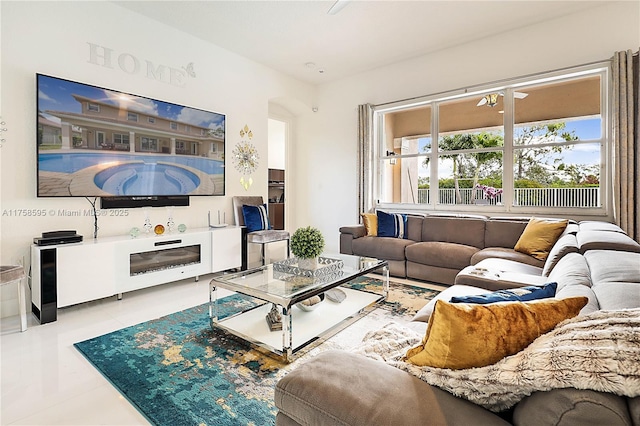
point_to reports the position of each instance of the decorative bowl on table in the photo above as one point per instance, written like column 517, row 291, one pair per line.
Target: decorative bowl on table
column 311, row 303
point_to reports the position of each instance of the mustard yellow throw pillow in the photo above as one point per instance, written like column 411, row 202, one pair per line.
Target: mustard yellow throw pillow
column 370, row 224
column 539, row 236
column 467, row 335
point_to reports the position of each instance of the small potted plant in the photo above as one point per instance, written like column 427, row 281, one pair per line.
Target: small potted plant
column 307, row 244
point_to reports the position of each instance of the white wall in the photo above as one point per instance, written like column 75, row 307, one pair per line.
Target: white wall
column 52, row 38
column 277, row 139
column 327, row 190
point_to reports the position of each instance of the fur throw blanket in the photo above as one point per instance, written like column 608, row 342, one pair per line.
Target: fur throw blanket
column 599, row 351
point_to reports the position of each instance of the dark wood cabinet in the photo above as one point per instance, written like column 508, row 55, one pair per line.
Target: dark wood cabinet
column 276, row 198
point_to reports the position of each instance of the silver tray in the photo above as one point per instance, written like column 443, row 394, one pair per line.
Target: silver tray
column 325, row 266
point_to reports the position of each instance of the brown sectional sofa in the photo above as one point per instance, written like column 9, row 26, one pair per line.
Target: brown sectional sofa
column 592, row 259
column 439, row 246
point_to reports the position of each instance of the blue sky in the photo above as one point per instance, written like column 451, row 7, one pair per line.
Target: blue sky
column 56, row 94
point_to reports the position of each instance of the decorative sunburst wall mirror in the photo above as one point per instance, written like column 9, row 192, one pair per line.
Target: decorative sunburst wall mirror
column 245, row 157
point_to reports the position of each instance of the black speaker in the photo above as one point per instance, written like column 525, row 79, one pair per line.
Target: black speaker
column 244, row 249
column 134, row 202
column 48, row 311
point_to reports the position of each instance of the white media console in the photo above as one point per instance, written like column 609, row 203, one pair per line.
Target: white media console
column 68, row 274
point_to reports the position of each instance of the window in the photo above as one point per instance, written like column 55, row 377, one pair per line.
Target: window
column 151, row 120
column 173, row 125
column 132, row 116
column 101, row 139
column 121, row 138
column 93, row 107
column 148, row 144
column 532, row 145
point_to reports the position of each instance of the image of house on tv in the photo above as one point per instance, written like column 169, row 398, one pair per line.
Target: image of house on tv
column 97, row 142
column 103, row 126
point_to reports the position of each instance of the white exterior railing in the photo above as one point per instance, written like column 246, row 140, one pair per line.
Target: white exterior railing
column 535, row 197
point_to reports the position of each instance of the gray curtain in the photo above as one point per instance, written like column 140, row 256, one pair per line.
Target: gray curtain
column 626, row 124
column 365, row 159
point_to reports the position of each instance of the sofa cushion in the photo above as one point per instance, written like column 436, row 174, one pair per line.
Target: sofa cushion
column 342, row 388
column 522, row 294
column 574, row 279
column 572, row 269
column 565, row 244
column 503, row 233
column 442, row 254
column 505, row 253
column 569, row 407
column 598, row 225
column 616, row 278
column 414, row 227
column 370, row 222
column 503, row 265
column 572, row 228
column 539, row 236
column 606, row 240
column 613, row 266
column 464, row 335
column 387, row 248
column 500, row 274
column 455, row 290
column 467, row 231
column 617, row 295
column 392, row 224
column 430, row 273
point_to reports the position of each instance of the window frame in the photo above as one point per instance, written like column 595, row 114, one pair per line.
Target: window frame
column 152, row 144
column 602, row 69
column 119, row 138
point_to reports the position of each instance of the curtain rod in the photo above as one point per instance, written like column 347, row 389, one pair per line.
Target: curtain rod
column 492, row 83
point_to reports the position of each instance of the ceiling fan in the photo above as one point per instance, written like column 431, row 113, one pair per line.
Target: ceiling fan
column 492, row 98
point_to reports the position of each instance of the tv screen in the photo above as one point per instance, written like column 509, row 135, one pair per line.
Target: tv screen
column 97, row 142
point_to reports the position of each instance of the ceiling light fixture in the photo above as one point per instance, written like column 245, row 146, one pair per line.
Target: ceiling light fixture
column 337, row 6
column 492, row 99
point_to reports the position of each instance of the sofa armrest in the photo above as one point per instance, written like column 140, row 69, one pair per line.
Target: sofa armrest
column 348, row 234
column 342, row 388
column 568, row 406
column 356, row 230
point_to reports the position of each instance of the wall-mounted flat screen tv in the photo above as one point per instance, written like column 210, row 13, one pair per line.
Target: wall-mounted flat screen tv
column 97, row 142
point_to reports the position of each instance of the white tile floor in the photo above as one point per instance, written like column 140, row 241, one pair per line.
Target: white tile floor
column 46, row 381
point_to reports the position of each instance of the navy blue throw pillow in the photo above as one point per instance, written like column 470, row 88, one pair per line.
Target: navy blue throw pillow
column 521, row 294
column 392, row 225
column 256, row 218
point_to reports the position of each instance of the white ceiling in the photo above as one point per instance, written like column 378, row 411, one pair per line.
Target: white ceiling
column 365, row 34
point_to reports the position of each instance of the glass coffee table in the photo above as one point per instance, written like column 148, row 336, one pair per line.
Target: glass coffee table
column 286, row 322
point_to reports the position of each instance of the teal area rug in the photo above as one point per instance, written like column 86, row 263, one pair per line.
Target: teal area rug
column 176, row 370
